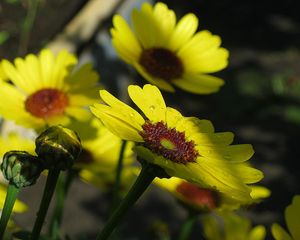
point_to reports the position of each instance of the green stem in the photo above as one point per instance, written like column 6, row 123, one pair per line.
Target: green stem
column 117, row 185
column 62, row 189
column 142, row 182
column 188, row 225
column 47, row 196
column 11, row 196
column 27, row 25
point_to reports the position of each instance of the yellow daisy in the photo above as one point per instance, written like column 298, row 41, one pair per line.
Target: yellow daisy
column 292, row 213
column 185, row 147
column 167, row 53
column 99, row 157
column 46, row 89
column 231, row 227
column 202, row 199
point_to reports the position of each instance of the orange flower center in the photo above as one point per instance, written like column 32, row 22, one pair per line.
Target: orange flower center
column 199, row 196
column 46, row 103
column 169, row 143
column 161, row 63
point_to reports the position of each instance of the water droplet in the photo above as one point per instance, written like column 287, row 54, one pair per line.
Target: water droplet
column 152, row 107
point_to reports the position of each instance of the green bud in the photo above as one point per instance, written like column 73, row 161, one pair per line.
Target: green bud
column 20, row 168
column 58, row 147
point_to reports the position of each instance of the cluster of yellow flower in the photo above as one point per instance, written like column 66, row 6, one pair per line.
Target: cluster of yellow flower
column 207, row 171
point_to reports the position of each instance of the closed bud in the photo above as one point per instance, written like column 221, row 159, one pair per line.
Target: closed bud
column 58, row 147
column 20, row 168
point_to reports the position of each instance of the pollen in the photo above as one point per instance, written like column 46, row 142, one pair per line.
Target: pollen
column 169, row 143
column 46, row 103
column 161, row 63
column 199, row 196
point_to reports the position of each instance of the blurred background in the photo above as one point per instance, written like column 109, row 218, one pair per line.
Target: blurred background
column 260, row 101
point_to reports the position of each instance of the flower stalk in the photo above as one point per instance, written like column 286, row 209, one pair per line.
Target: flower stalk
column 11, row 196
column 116, row 190
column 46, row 199
column 145, row 178
column 188, row 225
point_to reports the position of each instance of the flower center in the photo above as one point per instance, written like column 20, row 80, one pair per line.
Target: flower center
column 46, row 103
column 197, row 195
column 161, row 63
column 169, row 143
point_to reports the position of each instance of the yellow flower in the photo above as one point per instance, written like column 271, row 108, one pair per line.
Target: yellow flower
column 202, row 199
column 292, row 213
column 234, row 228
column 185, row 147
column 19, row 207
column 99, row 157
column 46, row 89
column 167, row 53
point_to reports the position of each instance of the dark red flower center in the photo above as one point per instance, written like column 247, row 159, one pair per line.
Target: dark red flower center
column 169, row 143
column 46, row 103
column 199, row 196
column 161, row 63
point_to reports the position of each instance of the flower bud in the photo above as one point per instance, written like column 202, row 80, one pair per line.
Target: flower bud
column 58, row 147
column 20, row 168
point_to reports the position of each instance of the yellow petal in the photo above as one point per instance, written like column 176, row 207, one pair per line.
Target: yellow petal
column 184, row 30
column 192, row 125
column 232, row 153
column 161, row 11
column 292, row 218
column 223, row 177
column 206, row 62
column 78, row 113
column 200, row 43
column 199, row 83
column 247, row 174
column 257, row 233
column 173, row 117
column 279, row 233
column 83, row 78
column 124, row 40
column 119, row 124
column 13, row 75
column 148, row 36
column 122, row 108
column 212, row 139
column 259, row 192
column 149, row 100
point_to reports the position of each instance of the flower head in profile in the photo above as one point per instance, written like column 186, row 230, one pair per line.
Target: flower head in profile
column 202, row 199
column 166, row 52
column 292, row 213
column 46, row 89
column 185, row 147
column 231, row 227
column 99, row 156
